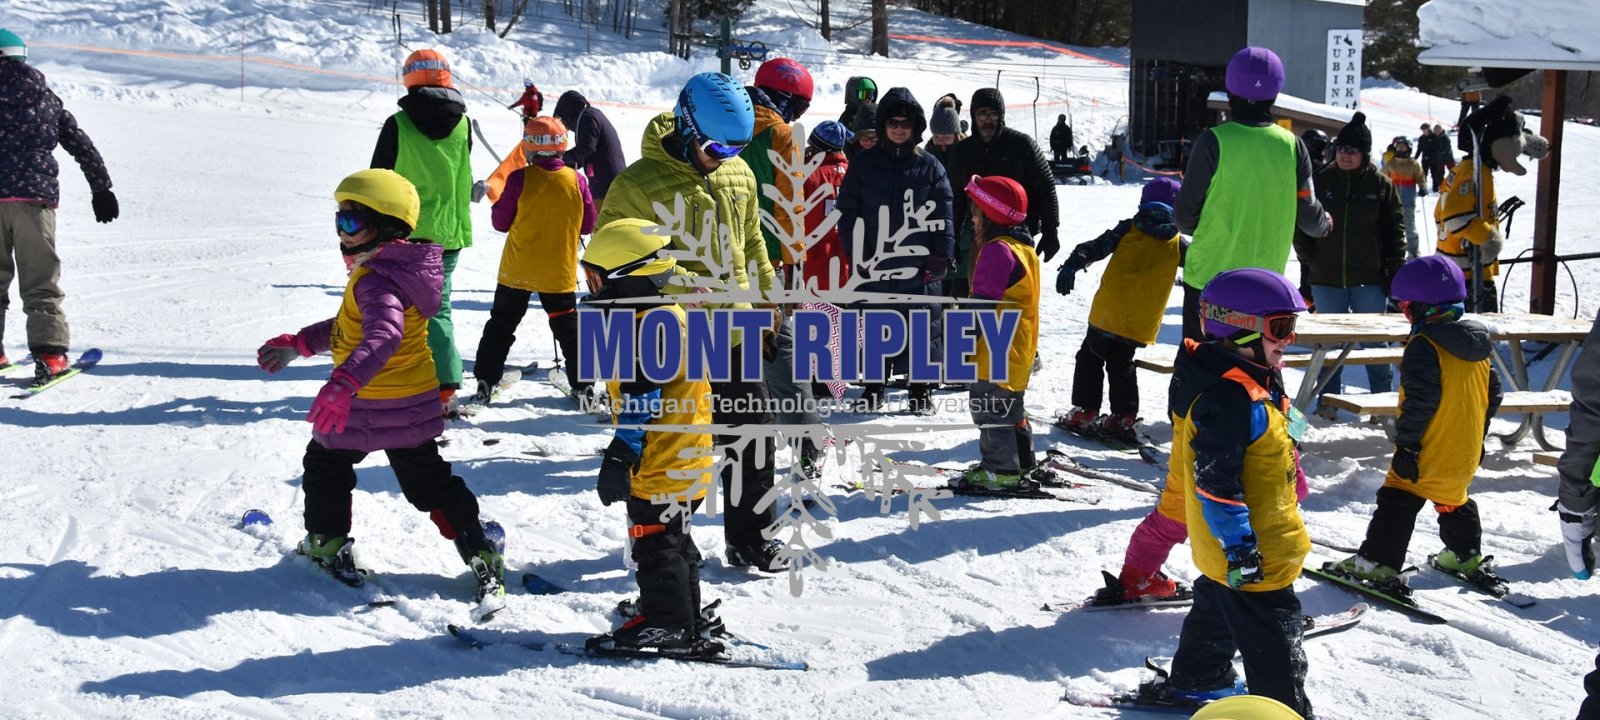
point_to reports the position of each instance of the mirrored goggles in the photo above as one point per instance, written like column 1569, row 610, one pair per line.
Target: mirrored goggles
column 716, row 150
column 1278, row 327
column 352, row 222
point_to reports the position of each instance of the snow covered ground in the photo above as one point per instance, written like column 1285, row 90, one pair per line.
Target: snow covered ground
column 127, row 589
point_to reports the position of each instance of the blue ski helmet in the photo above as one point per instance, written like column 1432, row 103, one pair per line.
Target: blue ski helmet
column 1255, row 74
column 1432, row 280
column 12, row 46
column 1239, row 301
column 715, row 114
column 830, row 136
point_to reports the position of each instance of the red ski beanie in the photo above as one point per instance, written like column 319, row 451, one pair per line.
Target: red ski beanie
column 1001, row 199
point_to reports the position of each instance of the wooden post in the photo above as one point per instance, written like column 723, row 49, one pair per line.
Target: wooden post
column 1542, row 296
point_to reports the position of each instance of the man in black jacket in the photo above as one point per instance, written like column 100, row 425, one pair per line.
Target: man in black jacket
column 994, row 149
column 595, row 151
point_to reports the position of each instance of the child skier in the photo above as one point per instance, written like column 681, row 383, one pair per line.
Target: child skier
column 545, row 208
column 825, row 259
column 1233, row 452
column 1006, row 270
column 662, row 475
column 1126, row 315
column 1448, row 392
column 384, row 393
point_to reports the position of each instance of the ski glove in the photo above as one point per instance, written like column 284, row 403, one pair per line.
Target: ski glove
column 1404, row 463
column 277, row 353
column 934, row 269
column 1067, row 277
column 330, row 412
column 1244, row 564
column 479, row 189
column 615, row 483
column 105, row 205
column 1049, row 245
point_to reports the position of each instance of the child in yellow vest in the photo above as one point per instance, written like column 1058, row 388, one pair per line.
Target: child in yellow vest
column 1448, row 392
column 1145, row 253
column 384, row 392
column 545, row 208
column 1007, row 270
column 661, row 475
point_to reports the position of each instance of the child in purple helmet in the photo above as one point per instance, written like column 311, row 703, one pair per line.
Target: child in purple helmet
column 1448, row 392
column 1145, row 252
column 1235, row 454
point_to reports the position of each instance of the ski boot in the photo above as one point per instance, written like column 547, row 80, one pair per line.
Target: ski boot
column 1160, row 692
column 1045, row 476
column 488, row 565
column 921, row 401
column 1382, row 578
column 1118, row 427
column 1478, row 570
column 990, row 480
column 638, row 633
column 1078, row 420
column 333, row 553
column 49, row 366
column 1138, row 585
column 761, row 556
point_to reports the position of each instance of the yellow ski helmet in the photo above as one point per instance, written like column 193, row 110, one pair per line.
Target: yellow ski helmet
column 385, row 191
column 623, row 248
column 1246, row 707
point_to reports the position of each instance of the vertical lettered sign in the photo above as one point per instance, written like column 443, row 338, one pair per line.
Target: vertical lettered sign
column 1344, row 68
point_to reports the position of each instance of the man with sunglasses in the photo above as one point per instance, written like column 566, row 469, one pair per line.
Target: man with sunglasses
column 883, row 181
column 996, row 149
column 1235, row 440
column 691, row 155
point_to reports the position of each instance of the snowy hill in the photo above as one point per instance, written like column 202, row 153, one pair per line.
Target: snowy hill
column 128, row 590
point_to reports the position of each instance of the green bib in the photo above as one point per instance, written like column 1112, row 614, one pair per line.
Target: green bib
column 1249, row 212
column 442, row 172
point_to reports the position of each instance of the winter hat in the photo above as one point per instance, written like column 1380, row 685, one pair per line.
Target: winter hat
column 1255, row 74
column 545, row 135
column 1355, row 134
column 1432, row 280
column 830, row 136
column 426, row 68
column 12, row 46
column 866, row 117
column 989, row 98
column 1001, row 199
column 945, row 121
column 1163, row 190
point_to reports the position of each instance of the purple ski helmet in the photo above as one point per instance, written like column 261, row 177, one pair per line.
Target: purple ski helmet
column 1239, row 301
column 1434, row 280
column 1255, row 74
column 1162, row 190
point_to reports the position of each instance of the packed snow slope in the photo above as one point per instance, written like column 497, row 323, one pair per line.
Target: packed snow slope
column 127, row 588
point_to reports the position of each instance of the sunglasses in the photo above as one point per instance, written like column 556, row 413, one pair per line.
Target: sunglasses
column 1349, row 150
column 898, row 123
column 352, row 222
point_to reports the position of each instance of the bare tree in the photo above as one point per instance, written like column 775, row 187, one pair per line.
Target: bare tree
column 880, row 27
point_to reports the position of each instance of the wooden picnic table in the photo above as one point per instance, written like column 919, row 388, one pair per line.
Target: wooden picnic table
column 1325, row 332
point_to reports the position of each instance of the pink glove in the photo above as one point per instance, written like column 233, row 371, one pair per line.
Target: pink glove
column 1301, row 487
column 330, row 412
column 278, row 352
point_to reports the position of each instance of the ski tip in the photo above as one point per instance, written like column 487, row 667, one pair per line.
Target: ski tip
column 255, row 517
column 92, row 355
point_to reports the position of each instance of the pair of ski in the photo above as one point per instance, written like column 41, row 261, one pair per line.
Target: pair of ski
column 1144, row 447
column 1398, row 595
column 1144, row 699
column 85, row 361
column 1056, row 488
column 703, row 654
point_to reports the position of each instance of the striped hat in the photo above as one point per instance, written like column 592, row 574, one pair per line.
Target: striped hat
column 545, row 135
column 12, row 46
column 426, row 68
column 1001, row 199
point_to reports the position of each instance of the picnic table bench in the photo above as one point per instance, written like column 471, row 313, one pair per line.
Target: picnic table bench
column 1518, row 402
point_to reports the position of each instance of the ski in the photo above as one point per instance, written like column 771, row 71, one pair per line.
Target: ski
column 1494, row 585
column 709, row 659
column 536, row 585
column 1316, row 625
column 87, row 360
column 558, row 378
column 1403, row 603
column 475, row 404
column 8, row 367
column 478, row 642
column 255, row 517
column 1145, row 448
column 1059, row 459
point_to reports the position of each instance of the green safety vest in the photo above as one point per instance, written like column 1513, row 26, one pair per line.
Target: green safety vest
column 442, row 172
column 1249, row 212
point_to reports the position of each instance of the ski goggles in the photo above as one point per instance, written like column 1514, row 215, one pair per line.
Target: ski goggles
column 352, row 222
column 1277, row 327
column 717, row 151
